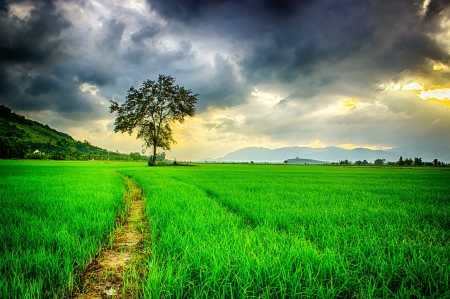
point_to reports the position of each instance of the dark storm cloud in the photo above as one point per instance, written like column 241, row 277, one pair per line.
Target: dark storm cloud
column 42, row 84
column 411, row 52
column 293, row 43
column 183, row 10
column 4, row 6
column 96, row 73
column 222, row 89
column 42, row 68
column 45, row 91
column 112, row 35
column 285, row 41
column 193, row 10
column 34, row 40
column 32, row 51
column 434, row 8
column 146, row 32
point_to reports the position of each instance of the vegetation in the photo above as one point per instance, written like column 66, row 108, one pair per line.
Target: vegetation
column 54, row 218
column 235, row 231
column 23, row 138
column 150, row 110
column 297, row 232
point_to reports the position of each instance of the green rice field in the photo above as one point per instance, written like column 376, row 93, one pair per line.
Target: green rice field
column 232, row 231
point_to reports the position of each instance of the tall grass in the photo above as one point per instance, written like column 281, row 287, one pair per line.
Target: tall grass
column 54, row 217
column 305, row 232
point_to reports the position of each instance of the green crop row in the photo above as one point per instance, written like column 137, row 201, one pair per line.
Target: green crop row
column 54, row 217
column 305, row 232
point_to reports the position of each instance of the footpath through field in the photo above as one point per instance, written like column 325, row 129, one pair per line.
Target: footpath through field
column 118, row 269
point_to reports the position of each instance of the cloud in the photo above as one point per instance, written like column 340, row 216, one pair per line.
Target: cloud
column 112, row 36
column 42, row 84
column 36, row 39
column 222, row 88
column 434, row 8
column 146, row 32
column 267, row 72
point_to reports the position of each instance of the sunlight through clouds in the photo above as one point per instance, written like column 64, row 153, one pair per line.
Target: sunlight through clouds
column 91, row 88
column 265, row 98
column 350, row 102
column 438, row 93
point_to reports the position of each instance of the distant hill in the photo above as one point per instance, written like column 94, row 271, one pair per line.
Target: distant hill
column 24, row 138
column 334, row 154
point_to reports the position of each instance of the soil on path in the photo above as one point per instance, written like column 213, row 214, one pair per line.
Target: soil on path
column 117, row 272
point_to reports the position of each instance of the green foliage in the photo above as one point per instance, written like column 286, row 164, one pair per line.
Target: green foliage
column 345, row 162
column 379, row 162
column 408, row 161
column 418, row 162
column 150, row 110
column 135, row 156
column 13, row 147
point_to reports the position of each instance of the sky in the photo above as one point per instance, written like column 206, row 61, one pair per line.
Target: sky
column 348, row 73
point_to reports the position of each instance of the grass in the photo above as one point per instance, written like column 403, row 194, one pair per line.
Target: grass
column 54, row 219
column 282, row 232
column 235, row 231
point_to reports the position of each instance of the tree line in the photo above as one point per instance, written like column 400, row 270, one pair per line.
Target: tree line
column 401, row 162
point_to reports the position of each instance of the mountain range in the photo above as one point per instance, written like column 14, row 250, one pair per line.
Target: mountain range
column 335, row 154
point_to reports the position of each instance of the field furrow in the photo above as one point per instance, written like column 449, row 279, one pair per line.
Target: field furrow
column 118, row 271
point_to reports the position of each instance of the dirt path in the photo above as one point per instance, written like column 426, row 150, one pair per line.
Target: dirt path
column 117, row 272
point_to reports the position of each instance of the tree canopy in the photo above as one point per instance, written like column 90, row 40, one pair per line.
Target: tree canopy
column 150, row 110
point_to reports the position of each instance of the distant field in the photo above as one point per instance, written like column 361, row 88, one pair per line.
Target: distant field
column 268, row 231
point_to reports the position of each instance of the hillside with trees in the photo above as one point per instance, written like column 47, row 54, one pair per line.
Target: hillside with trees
column 24, row 138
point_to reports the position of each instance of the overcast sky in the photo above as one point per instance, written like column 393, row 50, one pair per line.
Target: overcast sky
column 318, row 73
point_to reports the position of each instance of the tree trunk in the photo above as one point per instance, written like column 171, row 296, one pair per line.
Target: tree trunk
column 154, row 155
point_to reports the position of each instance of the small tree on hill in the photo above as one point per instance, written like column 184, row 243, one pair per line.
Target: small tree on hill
column 151, row 108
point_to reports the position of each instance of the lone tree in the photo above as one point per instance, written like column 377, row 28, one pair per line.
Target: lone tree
column 150, row 110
